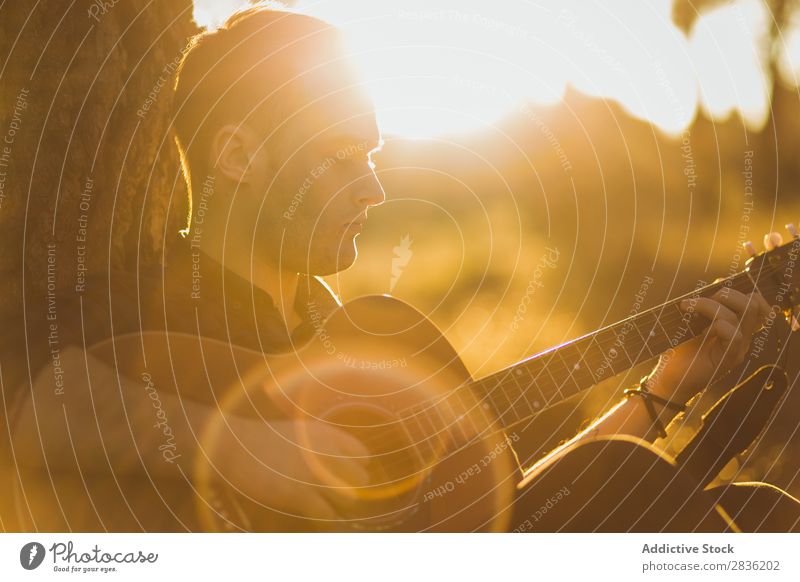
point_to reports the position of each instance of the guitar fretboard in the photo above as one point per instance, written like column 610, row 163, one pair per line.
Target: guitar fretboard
column 526, row 388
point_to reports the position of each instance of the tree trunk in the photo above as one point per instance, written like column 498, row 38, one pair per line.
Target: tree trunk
column 89, row 176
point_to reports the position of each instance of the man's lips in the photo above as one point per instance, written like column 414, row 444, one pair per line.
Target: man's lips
column 356, row 225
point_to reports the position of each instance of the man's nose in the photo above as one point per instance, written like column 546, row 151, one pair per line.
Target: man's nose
column 370, row 192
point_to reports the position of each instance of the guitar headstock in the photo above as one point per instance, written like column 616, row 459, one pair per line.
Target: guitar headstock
column 777, row 270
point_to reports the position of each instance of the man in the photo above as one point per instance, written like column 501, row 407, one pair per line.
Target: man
column 281, row 208
column 276, row 136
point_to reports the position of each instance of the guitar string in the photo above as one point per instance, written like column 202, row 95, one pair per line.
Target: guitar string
column 587, row 377
column 502, row 377
column 501, row 383
column 642, row 346
column 447, row 427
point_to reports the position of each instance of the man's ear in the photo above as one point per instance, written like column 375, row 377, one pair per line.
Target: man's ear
column 233, row 149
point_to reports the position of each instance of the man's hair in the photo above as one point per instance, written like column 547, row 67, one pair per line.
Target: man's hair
column 243, row 70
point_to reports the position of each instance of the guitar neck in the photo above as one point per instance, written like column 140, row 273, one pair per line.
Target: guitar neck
column 528, row 387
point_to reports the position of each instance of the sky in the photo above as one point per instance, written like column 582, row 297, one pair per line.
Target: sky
column 456, row 65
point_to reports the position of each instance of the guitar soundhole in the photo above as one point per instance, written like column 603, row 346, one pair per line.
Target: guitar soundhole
column 397, row 468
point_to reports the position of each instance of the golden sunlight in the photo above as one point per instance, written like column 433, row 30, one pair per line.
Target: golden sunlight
column 466, row 63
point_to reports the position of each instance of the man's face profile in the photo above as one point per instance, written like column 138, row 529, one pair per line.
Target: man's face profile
column 311, row 179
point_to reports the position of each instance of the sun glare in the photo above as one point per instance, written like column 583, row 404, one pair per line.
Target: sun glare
column 457, row 65
column 729, row 51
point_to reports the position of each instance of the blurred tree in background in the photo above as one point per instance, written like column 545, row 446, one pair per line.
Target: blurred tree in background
column 85, row 88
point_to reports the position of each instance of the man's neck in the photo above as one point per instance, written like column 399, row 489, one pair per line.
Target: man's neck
column 280, row 285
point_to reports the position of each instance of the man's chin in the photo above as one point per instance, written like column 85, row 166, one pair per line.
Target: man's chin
column 343, row 261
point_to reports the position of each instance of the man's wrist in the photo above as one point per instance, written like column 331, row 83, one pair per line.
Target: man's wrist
column 660, row 410
column 665, row 384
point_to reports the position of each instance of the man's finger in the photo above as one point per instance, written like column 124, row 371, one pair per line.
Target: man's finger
column 755, row 312
column 764, row 308
column 725, row 331
column 352, row 447
column 330, row 440
column 351, row 472
column 711, row 310
column 747, row 307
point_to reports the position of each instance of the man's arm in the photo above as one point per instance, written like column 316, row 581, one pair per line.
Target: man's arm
column 101, row 423
column 100, row 420
column 734, row 318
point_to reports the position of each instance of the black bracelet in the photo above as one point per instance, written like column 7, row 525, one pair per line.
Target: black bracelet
column 648, row 397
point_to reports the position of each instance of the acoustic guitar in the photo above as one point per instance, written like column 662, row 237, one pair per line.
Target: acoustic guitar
column 441, row 443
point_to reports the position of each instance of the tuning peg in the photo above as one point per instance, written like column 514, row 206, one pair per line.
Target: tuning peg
column 793, row 230
column 751, row 250
column 772, row 240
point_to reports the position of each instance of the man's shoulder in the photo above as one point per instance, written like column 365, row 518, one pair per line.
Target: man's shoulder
column 118, row 302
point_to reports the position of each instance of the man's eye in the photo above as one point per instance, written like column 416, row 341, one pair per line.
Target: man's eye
column 358, row 161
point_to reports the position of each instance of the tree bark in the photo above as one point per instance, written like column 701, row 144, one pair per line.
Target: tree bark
column 89, row 175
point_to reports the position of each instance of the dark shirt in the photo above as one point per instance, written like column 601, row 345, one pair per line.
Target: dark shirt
column 190, row 294
column 204, row 298
column 194, row 294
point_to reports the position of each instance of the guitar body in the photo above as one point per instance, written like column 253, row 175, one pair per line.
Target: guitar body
column 615, row 484
column 376, row 368
column 623, row 484
column 382, row 371
column 436, row 461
